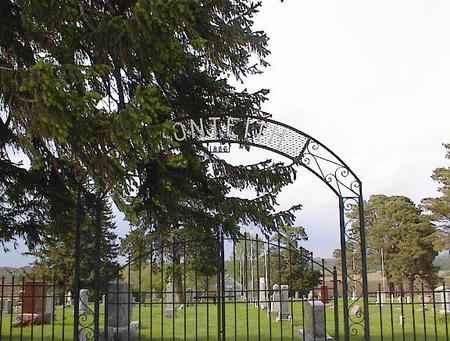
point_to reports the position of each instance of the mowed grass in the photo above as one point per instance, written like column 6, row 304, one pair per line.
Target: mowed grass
column 244, row 322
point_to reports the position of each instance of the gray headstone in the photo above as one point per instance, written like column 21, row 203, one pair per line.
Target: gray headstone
column 314, row 323
column 118, row 305
column 7, row 306
column 297, row 295
column 189, row 296
column 262, row 293
column 275, row 304
column 285, row 307
column 169, row 302
column 84, row 301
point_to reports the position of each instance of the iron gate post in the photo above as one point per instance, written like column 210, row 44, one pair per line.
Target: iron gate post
column 344, row 269
column 362, row 233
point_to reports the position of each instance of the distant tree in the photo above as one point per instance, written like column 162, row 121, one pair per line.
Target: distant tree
column 406, row 237
column 439, row 207
column 290, row 263
column 55, row 258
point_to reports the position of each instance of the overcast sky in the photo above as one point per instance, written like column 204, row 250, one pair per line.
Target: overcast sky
column 371, row 80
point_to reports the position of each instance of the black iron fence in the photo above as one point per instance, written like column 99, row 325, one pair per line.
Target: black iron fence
column 247, row 289
column 215, row 289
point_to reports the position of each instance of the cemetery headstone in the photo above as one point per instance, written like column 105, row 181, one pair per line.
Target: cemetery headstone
column 314, row 322
column 7, row 306
column 275, row 302
column 442, row 299
column 84, row 301
column 69, row 298
column 262, row 293
column 324, row 294
column 118, row 307
column 169, row 304
column 285, row 307
column 189, row 296
column 32, row 305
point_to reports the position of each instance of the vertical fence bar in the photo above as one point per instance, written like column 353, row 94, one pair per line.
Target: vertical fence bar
column 336, row 304
column 174, row 259
column 151, row 292
column 162, row 291
column 258, row 288
column 279, row 287
column 291, row 288
column 21, row 308
column 184, row 290
column 413, row 311
column 392, row 312
column 234, row 289
column 324, row 304
column 53, row 306
column 77, row 255
column 223, row 293
column 246, row 286
column 12, row 300
column 380, row 310
column 434, row 315
column 445, row 310
column 2, row 296
column 269, row 283
column 424, row 313
column 140, row 292
column 129, row 295
column 402, row 312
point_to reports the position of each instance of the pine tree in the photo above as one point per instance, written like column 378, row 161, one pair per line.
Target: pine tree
column 440, row 207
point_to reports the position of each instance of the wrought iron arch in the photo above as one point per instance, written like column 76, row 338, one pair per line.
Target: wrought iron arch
column 307, row 152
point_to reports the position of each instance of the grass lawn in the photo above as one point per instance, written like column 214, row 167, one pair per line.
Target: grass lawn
column 244, row 322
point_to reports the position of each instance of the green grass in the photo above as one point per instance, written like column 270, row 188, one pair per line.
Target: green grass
column 248, row 323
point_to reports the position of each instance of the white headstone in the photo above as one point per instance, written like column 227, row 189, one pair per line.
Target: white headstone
column 69, row 298
column 442, row 299
column 84, row 301
column 262, row 293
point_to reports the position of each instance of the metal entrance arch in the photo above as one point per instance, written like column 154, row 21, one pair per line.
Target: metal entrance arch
column 307, row 152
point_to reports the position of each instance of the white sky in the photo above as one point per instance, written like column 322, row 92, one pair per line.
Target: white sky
column 370, row 79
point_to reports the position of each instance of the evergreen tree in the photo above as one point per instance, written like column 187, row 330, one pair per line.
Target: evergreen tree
column 406, row 236
column 88, row 89
column 440, row 207
column 55, row 258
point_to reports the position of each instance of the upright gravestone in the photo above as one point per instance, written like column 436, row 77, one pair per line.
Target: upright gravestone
column 7, row 306
column 275, row 302
column 262, row 293
column 442, row 299
column 169, row 304
column 285, row 307
column 68, row 298
column 314, row 322
column 189, row 296
column 84, row 301
column 118, row 308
